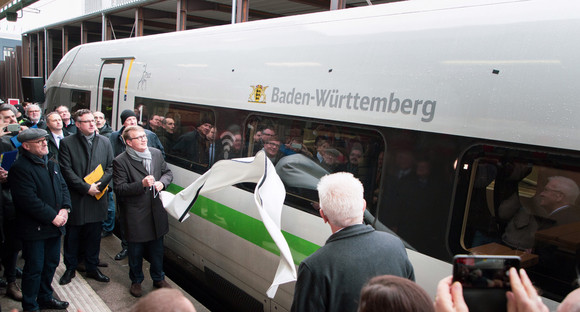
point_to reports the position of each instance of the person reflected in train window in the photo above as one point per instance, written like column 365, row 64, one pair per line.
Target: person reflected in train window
column 393, row 293
column 330, row 160
column 557, row 199
column 267, row 132
column 67, row 121
column 272, row 149
column 355, row 157
column 421, row 206
column 321, row 144
column 295, row 145
column 212, row 147
column 352, row 255
column 193, row 145
column 154, row 123
column 167, row 134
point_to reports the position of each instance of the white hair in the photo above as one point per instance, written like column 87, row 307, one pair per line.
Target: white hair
column 30, row 106
column 341, row 198
column 567, row 186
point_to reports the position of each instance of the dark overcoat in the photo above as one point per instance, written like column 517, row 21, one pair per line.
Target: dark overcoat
column 332, row 277
column 77, row 160
column 142, row 212
column 39, row 192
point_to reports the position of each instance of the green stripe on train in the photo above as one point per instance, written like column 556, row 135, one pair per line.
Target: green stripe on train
column 246, row 227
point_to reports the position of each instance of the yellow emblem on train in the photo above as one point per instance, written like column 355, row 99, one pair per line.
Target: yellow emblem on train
column 258, row 94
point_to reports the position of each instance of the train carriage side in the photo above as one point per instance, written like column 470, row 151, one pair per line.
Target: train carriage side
column 448, row 116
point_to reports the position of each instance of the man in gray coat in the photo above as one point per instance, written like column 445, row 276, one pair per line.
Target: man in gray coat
column 139, row 174
column 332, row 277
column 80, row 154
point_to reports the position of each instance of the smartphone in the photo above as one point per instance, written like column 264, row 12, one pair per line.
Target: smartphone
column 13, row 127
column 485, row 280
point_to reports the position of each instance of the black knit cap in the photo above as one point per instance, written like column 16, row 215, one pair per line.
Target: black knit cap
column 126, row 114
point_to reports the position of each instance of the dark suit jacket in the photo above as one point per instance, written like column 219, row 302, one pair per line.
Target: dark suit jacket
column 332, row 277
column 52, row 148
column 143, row 215
column 76, row 162
column 38, row 196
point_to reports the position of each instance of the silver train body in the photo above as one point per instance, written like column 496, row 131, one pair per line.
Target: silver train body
column 457, row 86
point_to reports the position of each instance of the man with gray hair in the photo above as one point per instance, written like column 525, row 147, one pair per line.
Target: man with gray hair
column 558, row 198
column 34, row 117
column 332, row 277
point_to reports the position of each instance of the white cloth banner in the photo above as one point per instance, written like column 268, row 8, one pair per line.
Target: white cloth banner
column 269, row 197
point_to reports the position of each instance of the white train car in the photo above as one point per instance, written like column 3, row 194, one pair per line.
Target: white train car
column 458, row 109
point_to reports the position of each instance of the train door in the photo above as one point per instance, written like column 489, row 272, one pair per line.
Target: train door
column 109, row 86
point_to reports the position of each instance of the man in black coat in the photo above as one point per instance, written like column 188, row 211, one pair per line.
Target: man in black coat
column 128, row 118
column 331, row 278
column 140, row 173
column 89, row 209
column 42, row 204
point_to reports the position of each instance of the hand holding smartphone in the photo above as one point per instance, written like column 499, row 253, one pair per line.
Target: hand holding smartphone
column 485, row 280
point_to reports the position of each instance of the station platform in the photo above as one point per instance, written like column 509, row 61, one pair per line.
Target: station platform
column 88, row 295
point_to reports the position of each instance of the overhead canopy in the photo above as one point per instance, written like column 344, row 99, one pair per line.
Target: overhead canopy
column 8, row 7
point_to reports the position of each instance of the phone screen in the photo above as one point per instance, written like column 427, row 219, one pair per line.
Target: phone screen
column 485, row 280
column 484, row 271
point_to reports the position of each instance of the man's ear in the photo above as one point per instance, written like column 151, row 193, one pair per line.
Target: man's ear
column 323, row 216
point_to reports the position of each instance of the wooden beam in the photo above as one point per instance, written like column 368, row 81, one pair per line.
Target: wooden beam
column 26, row 48
column 181, row 23
column 64, row 40
column 139, row 20
column 242, row 11
column 337, row 4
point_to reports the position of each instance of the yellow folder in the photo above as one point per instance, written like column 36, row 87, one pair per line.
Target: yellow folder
column 95, row 176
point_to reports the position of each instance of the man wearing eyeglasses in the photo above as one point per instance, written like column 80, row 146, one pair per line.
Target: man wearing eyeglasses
column 272, row 149
column 34, row 117
column 139, row 174
column 42, row 204
column 80, row 154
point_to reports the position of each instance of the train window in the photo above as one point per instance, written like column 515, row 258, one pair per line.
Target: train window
column 304, row 151
column 183, row 132
column 526, row 203
column 107, row 98
column 73, row 98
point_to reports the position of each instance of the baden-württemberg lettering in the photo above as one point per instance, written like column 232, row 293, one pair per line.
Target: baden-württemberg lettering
column 334, row 99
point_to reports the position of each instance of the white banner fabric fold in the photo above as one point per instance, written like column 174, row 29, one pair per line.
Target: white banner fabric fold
column 269, row 197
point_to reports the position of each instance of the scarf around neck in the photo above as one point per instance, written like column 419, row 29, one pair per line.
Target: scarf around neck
column 143, row 157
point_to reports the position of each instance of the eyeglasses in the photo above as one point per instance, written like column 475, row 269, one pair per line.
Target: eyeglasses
column 141, row 137
column 41, row 141
column 91, row 121
column 273, row 144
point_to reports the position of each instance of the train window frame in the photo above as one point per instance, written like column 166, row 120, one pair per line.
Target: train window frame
column 144, row 107
column 303, row 203
column 59, row 96
column 541, row 164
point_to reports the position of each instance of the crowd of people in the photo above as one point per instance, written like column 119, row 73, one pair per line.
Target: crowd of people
column 73, row 173
column 60, row 183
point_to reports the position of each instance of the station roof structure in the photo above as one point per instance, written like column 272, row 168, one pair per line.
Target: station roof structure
column 160, row 16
